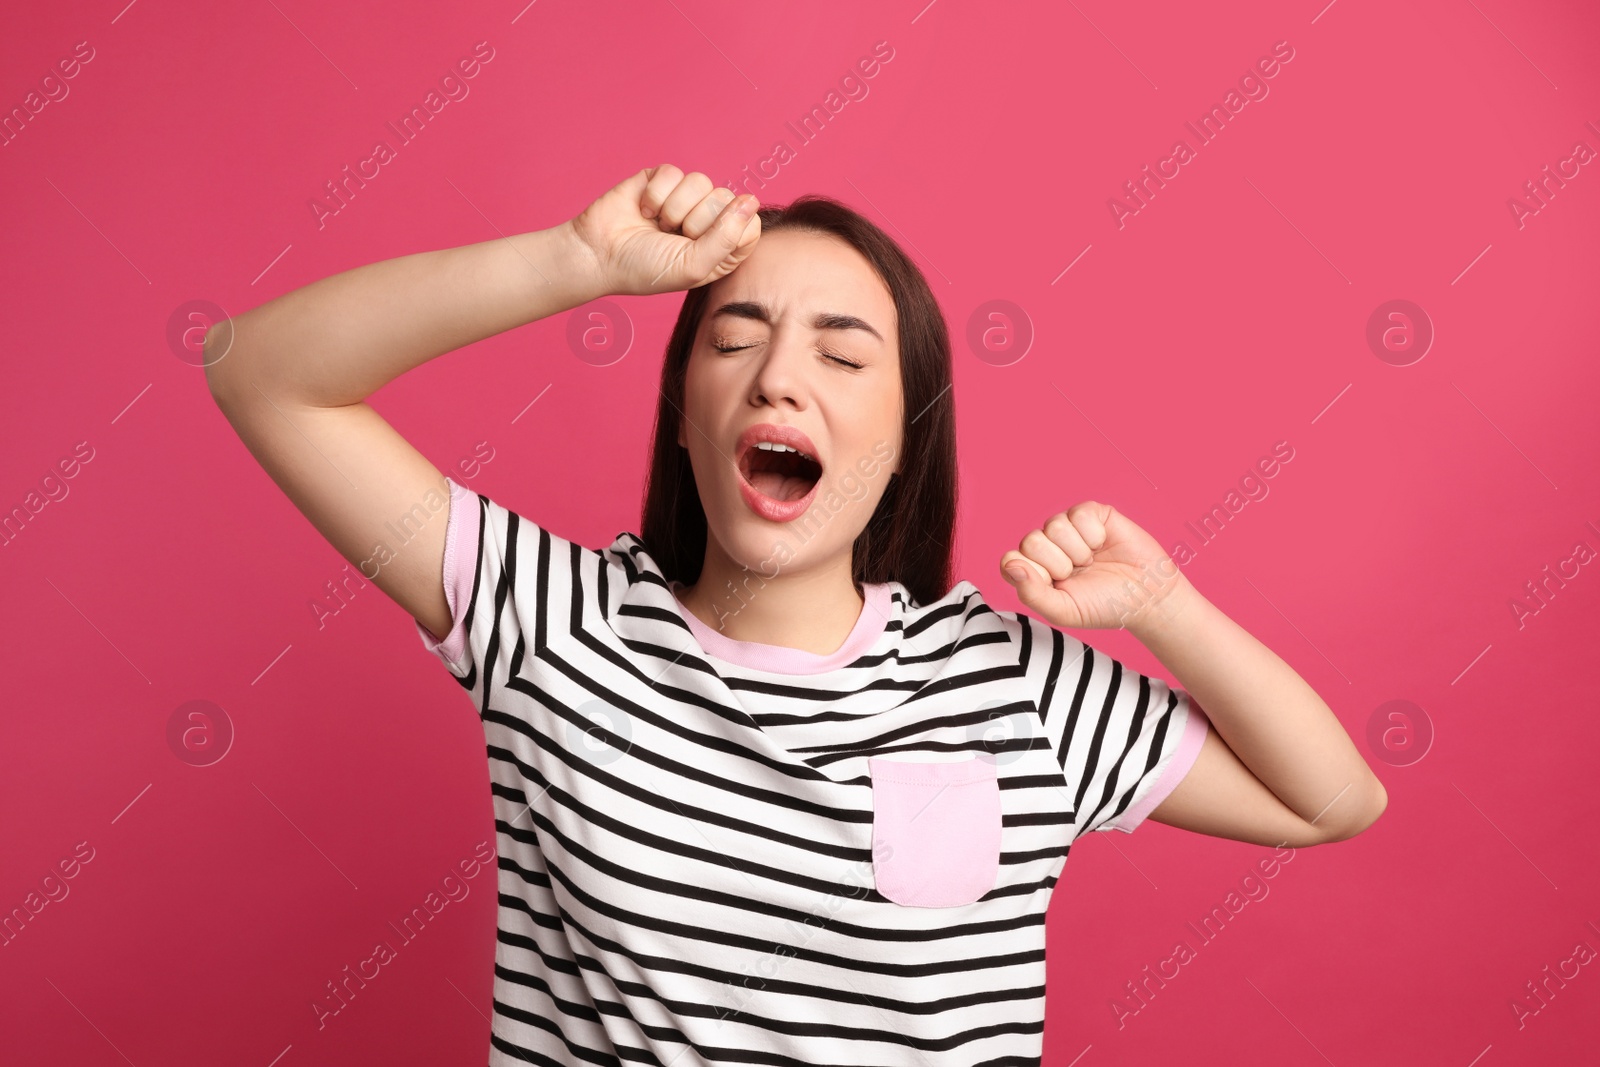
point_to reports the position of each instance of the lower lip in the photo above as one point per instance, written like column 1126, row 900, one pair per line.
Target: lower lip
column 774, row 510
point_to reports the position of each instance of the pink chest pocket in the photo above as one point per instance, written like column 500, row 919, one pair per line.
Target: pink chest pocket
column 935, row 830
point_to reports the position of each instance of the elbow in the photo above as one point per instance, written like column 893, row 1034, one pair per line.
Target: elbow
column 218, row 342
column 1375, row 808
column 1378, row 800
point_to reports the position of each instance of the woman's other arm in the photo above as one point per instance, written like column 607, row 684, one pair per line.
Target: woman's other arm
column 1278, row 767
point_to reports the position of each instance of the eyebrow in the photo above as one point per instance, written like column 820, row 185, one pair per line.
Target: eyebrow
column 825, row 320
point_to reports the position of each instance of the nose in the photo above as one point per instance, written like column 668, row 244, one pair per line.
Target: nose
column 782, row 374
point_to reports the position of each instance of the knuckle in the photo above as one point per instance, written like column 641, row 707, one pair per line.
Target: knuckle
column 1059, row 525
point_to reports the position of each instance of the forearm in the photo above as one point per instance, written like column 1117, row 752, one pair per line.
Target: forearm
column 1269, row 716
column 342, row 338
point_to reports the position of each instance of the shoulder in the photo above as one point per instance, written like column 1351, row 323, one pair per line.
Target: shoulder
column 630, row 558
column 509, row 532
column 1042, row 652
column 965, row 606
column 958, row 608
column 526, row 563
column 964, row 619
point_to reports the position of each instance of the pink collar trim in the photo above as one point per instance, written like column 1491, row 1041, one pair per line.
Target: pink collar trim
column 778, row 659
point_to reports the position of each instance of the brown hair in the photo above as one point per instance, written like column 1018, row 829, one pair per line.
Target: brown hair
column 909, row 536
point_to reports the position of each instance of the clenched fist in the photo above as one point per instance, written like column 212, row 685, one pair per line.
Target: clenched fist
column 661, row 230
column 1092, row 567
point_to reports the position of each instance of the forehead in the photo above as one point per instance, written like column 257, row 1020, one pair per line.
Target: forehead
column 797, row 274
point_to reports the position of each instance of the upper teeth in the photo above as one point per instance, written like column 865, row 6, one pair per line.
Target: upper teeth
column 773, row 446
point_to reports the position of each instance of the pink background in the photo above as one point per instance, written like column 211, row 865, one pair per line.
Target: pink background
column 1228, row 314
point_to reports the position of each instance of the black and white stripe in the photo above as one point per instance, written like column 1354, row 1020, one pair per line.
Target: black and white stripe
column 685, row 864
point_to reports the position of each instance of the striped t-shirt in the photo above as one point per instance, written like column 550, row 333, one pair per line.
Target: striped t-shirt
column 722, row 852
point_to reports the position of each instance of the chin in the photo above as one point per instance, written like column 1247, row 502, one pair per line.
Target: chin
column 768, row 548
column 762, row 547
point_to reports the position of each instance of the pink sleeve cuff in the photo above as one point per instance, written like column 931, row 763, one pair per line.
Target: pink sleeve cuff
column 460, row 559
column 1194, row 732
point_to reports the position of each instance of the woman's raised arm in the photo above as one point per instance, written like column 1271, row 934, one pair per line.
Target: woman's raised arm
column 292, row 376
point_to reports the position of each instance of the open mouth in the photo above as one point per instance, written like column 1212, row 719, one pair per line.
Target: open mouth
column 779, row 472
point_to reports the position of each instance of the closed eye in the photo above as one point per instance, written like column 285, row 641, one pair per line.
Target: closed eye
column 823, row 352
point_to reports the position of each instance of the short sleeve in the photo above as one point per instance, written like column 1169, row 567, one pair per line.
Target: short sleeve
column 510, row 584
column 1123, row 740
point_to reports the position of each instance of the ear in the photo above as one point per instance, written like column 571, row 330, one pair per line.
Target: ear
column 681, row 442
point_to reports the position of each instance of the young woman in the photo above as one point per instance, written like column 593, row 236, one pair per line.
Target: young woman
column 767, row 788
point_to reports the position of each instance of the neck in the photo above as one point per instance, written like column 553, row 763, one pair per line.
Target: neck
column 813, row 611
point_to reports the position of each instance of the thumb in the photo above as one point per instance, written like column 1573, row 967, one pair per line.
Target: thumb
column 1033, row 588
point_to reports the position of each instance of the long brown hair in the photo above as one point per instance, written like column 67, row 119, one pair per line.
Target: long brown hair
column 909, row 536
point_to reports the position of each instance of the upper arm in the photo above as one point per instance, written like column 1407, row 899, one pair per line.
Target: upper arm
column 380, row 503
column 1220, row 796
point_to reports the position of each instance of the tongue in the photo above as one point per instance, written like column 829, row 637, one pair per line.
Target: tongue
column 781, row 486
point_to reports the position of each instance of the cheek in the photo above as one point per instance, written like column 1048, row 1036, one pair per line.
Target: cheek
column 705, row 389
column 876, row 424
